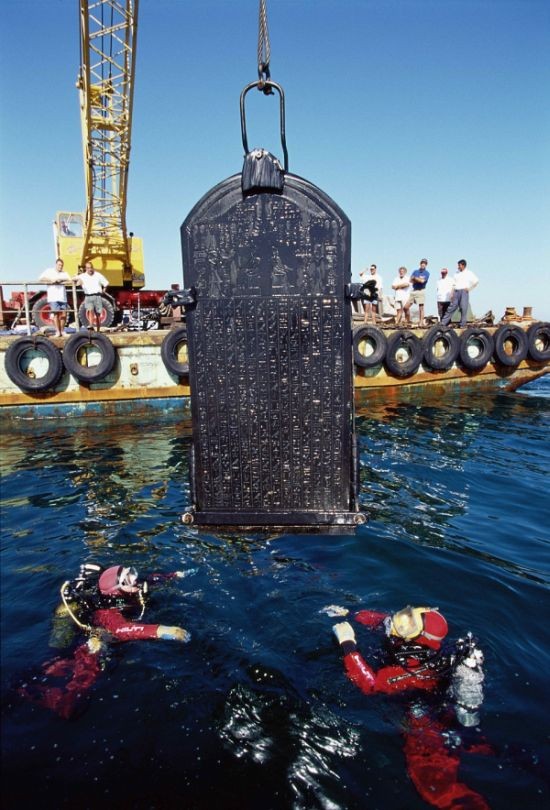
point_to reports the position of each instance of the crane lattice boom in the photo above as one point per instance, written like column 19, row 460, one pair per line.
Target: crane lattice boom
column 108, row 49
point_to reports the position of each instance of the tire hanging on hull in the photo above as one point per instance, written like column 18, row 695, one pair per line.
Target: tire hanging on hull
column 441, row 347
column 511, row 345
column 404, row 353
column 174, row 342
column 22, row 361
column 476, row 348
column 538, row 338
column 374, row 340
column 76, row 349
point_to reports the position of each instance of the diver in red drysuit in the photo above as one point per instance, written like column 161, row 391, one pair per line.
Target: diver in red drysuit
column 414, row 637
column 97, row 602
column 118, row 582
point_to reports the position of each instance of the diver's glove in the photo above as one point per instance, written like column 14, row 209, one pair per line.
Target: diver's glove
column 94, row 644
column 173, row 633
column 344, row 632
column 334, row 610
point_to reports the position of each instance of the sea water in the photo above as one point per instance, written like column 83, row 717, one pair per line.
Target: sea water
column 256, row 711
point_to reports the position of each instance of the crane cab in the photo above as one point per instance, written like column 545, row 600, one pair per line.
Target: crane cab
column 69, row 239
column 69, row 236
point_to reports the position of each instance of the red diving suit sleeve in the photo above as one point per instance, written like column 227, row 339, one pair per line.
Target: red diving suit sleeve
column 359, row 672
column 388, row 679
column 121, row 629
column 372, row 618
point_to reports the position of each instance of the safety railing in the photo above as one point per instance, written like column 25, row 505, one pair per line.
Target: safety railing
column 18, row 307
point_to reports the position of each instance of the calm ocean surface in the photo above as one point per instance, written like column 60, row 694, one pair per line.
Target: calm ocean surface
column 256, row 711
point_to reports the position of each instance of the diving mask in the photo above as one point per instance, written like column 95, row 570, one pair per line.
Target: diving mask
column 408, row 623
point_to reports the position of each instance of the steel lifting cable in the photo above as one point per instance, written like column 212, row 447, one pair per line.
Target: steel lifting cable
column 264, row 50
column 264, row 83
column 80, row 38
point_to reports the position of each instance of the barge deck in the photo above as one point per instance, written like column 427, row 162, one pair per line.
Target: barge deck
column 140, row 381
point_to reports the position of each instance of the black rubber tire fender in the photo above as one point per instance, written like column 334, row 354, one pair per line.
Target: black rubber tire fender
column 376, row 338
column 75, row 345
column 169, row 351
column 107, row 316
column 539, row 333
column 15, row 354
column 486, row 345
column 451, row 343
column 403, row 339
column 508, row 333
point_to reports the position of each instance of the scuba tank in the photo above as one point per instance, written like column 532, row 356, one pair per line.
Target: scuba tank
column 467, row 678
column 74, row 596
column 63, row 627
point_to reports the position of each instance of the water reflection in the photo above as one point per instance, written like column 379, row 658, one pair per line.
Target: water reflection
column 114, row 476
column 418, row 466
column 257, row 711
column 270, row 725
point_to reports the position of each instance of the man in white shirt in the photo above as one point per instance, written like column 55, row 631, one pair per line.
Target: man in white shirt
column 93, row 284
column 371, row 293
column 56, row 294
column 463, row 283
column 402, row 286
column 444, row 292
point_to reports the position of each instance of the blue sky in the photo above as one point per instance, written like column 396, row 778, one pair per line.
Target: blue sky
column 427, row 121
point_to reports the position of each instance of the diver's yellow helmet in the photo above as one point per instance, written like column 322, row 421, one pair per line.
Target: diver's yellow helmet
column 425, row 624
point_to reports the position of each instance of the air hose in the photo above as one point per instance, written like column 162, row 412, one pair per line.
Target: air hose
column 87, row 627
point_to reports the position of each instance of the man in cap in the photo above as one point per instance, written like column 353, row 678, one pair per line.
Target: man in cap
column 419, row 279
column 415, row 636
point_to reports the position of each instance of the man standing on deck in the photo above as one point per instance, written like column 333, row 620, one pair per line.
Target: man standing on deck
column 444, row 292
column 56, row 278
column 419, row 279
column 402, row 285
column 463, row 283
column 371, row 293
column 93, row 284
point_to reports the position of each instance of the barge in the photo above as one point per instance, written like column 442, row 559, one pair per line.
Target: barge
column 118, row 372
column 410, row 363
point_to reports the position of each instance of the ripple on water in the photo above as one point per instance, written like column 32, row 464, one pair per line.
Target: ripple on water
column 258, row 704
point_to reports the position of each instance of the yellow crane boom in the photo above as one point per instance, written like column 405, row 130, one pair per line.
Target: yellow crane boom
column 108, row 31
